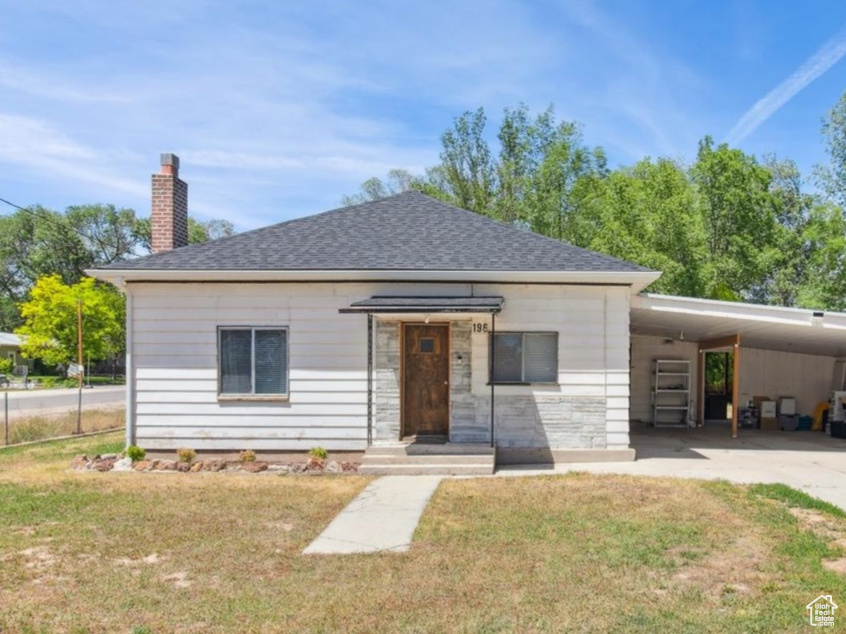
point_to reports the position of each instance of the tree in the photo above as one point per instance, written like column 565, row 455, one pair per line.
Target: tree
column 108, row 233
column 648, row 214
column 50, row 321
column 832, row 177
column 739, row 218
column 786, row 263
column 198, row 232
column 529, row 182
column 397, row 181
column 467, row 169
column 36, row 242
column 824, row 280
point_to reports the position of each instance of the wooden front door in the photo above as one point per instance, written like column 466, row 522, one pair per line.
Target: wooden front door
column 425, row 407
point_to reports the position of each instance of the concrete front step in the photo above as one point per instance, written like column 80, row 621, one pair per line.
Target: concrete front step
column 391, row 458
column 425, row 468
column 422, row 449
column 431, row 459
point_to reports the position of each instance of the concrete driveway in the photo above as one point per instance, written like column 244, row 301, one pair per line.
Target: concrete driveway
column 809, row 461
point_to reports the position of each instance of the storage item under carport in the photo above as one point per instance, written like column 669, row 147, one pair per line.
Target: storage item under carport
column 838, row 429
column 767, row 416
column 787, row 405
column 747, row 417
column 769, row 424
column 788, row 422
column 768, row 409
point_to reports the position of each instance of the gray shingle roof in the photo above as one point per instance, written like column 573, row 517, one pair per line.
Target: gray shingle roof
column 408, row 231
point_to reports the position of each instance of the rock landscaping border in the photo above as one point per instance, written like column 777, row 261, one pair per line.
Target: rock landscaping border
column 118, row 463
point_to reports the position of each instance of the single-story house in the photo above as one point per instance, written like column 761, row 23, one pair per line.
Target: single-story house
column 408, row 318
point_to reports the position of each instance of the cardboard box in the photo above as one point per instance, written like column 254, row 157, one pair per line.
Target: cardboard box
column 756, row 401
column 768, row 409
column 787, row 405
column 769, row 423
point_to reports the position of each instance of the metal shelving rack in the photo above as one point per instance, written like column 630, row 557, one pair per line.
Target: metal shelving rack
column 670, row 392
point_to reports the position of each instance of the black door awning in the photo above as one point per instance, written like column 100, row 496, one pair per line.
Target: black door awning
column 405, row 304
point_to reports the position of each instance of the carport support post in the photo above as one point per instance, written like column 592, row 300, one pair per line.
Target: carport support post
column 491, row 374
column 733, row 342
column 735, row 389
column 700, row 388
column 369, row 379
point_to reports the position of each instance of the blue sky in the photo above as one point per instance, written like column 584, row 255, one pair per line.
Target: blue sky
column 278, row 109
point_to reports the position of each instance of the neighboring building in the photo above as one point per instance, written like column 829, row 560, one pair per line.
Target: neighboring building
column 10, row 348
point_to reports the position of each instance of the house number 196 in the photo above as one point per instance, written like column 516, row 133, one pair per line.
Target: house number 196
column 480, row 327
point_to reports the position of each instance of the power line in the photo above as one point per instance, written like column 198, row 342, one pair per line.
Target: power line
column 64, row 224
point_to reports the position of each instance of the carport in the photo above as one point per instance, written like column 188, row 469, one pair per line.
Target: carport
column 777, row 351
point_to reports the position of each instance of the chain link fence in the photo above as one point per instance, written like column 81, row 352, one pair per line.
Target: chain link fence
column 33, row 416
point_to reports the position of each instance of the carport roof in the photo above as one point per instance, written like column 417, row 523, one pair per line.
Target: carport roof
column 767, row 327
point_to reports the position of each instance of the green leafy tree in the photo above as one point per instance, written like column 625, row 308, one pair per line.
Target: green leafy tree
column 108, row 233
column 648, row 214
column 467, row 169
column 739, row 218
column 529, row 182
column 824, row 281
column 50, row 321
column 832, row 177
column 198, row 232
column 540, row 163
column 397, row 181
column 35, row 242
column 786, row 260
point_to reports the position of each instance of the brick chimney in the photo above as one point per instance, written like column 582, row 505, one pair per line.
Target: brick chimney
column 169, row 211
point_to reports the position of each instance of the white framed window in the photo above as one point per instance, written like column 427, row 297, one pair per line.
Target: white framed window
column 253, row 361
column 524, row 357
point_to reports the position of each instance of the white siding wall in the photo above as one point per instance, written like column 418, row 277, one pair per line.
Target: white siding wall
column 593, row 346
column 175, row 358
column 176, row 367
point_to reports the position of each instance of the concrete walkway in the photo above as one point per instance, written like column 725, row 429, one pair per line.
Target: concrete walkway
column 382, row 518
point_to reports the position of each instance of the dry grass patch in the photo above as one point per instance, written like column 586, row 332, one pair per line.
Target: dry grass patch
column 54, row 426
column 221, row 553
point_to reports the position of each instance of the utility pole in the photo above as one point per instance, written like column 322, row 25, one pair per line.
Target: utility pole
column 79, row 364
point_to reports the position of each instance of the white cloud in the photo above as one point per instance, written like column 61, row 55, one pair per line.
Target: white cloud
column 819, row 63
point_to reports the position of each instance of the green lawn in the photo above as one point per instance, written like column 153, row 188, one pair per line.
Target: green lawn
column 89, row 552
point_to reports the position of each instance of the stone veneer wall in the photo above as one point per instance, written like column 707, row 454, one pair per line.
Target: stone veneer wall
column 542, row 421
column 556, row 422
column 386, row 388
column 464, row 424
